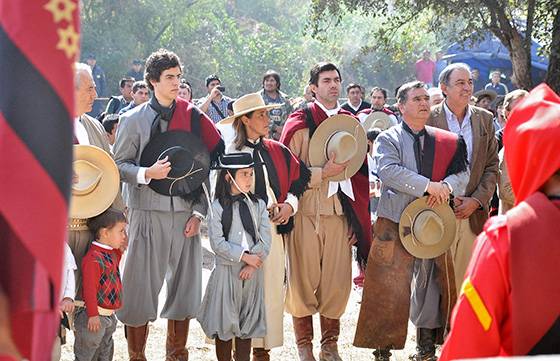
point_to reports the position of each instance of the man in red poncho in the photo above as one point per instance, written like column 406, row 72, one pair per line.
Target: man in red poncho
column 510, row 299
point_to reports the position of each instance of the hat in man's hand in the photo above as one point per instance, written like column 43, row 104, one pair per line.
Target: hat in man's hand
column 377, row 120
column 343, row 136
column 427, row 232
column 189, row 158
column 97, row 183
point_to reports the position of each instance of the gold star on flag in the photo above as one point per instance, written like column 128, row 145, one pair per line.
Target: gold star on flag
column 61, row 9
column 68, row 41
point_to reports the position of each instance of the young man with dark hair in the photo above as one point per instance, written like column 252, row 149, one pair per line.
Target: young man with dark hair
column 378, row 99
column 140, row 95
column 319, row 247
column 117, row 103
column 110, row 123
column 164, row 230
column 355, row 103
column 215, row 103
column 271, row 94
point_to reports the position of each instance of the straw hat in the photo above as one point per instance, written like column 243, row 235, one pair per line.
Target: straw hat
column 246, row 104
column 343, row 135
column 377, row 120
column 98, row 182
column 189, row 158
column 427, row 232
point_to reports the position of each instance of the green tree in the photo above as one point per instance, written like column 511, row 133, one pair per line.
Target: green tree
column 514, row 22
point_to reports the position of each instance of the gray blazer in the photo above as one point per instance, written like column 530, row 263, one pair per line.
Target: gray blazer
column 133, row 134
column 229, row 251
column 399, row 174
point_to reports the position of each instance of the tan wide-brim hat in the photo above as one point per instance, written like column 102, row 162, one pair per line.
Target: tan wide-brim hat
column 98, row 182
column 427, row 232
column 343, row 135
column 486, row 92
column 246, row 104
column 377, row 120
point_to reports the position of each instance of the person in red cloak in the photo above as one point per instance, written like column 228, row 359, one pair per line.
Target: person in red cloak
column 508, row 305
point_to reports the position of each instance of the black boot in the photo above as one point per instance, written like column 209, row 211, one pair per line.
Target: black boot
column 382, row 354
column 426, row 345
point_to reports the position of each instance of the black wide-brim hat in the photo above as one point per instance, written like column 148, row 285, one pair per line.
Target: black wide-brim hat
column 189, row 158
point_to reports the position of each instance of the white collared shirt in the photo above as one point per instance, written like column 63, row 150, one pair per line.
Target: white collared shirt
column 80, row 132
column 355, row 108
column 464, row 129
column 329, row 112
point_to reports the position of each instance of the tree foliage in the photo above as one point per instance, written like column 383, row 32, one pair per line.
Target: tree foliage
column 514, row 22
column 240, row 39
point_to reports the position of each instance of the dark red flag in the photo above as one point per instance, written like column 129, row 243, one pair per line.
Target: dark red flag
column 39, row 41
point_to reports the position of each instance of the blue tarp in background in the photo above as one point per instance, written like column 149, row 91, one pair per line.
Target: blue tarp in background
column 490, row 54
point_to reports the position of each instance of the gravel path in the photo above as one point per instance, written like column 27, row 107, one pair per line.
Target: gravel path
column 199, row 350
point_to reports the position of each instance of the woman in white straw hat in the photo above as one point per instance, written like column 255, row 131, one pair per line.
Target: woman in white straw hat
column 279, row 180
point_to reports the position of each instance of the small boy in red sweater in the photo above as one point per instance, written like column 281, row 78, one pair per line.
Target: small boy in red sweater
column 102, row 288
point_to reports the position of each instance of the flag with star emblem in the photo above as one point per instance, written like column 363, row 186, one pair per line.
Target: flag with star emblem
column 39, row 41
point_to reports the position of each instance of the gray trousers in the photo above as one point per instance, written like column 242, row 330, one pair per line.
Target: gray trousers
column 426, row 295
column 93, row 345
column 159, row 252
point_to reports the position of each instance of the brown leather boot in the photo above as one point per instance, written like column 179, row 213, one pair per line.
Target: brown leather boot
column 330, row 329
column 136, row 338
column 242, row 349
column 177, row 332
column 303, row 330
column 261, row 354
column 223, row 350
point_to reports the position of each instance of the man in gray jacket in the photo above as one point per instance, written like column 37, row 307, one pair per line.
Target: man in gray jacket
column 413, row 160
column 164, row 230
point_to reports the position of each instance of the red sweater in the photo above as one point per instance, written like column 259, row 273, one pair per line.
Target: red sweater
column 101, row 279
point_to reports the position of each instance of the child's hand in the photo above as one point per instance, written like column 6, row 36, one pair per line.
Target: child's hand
column 66, row 305
column 247, row 272
column 94, row 324
column 252, row 260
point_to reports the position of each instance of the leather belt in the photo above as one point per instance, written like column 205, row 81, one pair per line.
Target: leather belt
column 77, row 224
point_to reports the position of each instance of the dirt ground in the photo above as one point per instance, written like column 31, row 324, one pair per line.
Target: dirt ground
column 199, row 350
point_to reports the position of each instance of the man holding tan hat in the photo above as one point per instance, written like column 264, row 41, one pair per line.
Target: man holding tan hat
column 333, row 212
column 412, row 233
column 85, row 201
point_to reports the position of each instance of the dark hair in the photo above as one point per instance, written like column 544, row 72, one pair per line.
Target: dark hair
column 320, row 68
column 107, row 219
column 402, row 94
column 352, row 86
column 378, row 89
column 157, row 63
column 125, row 80
column 240, row 132
column 109, row 122
column 139, row 85
column 230, row 105
column 373, row 133
column 211, row 78
column 274, row 74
